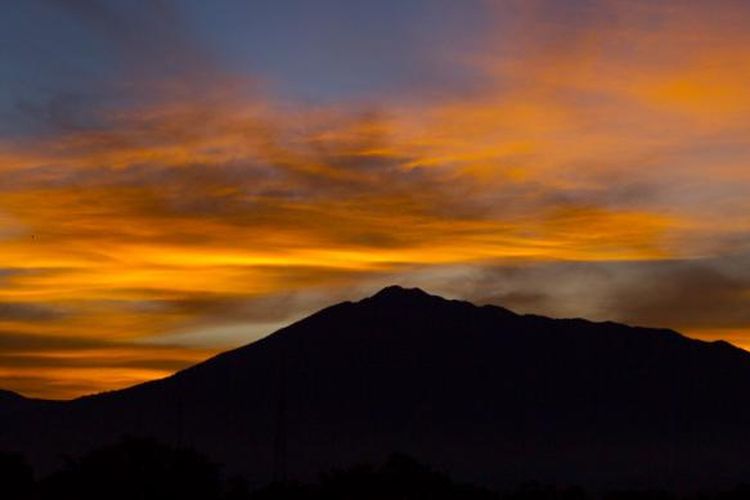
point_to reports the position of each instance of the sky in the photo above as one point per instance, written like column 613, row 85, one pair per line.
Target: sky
column 182, row 177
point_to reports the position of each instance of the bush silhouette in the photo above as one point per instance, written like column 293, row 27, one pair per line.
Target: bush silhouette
column 136, row 469
column 16, row 477
column 400, row 477
column 144, row 469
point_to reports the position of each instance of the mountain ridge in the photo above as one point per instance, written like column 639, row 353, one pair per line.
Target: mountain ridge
column 494, row 396
column 413, row 296
column 10, row 394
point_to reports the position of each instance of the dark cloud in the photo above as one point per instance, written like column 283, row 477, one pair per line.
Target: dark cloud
column 167, row 197
column 75, row 60
column 154, row 361
column 274, row 307
column 20, row 346
column 695, row 294
column 152, row 37
column 692, row 295
column 11, row 341
column 12, row 311
column 66, row 366
column 62, row 111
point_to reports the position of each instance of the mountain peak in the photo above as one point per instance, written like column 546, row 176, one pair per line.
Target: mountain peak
column 9, row 395
column 400, row 294
column 443, row 379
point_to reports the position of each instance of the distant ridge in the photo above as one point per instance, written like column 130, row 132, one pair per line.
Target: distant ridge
column 12, row 402
column 492, row 396
column 8, row 396
column 401, row 294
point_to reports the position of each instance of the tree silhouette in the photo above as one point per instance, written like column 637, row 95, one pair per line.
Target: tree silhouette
column 399, row 477
column 136, row 469
column 16, row 477
column 144, row 469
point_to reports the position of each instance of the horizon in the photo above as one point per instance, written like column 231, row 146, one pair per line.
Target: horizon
column 182, row 178
column 388, row 292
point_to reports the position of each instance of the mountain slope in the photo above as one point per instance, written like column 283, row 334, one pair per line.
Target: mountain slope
column 492, row 396
column 9, row 400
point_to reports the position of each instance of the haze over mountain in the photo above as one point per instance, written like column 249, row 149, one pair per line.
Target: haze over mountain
column 487, row 394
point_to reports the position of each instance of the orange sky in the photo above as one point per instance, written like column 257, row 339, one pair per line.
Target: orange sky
column 591, row 164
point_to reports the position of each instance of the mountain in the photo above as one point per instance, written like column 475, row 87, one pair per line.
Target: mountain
column 12, row 402
column 491, row 396
column 8, row 396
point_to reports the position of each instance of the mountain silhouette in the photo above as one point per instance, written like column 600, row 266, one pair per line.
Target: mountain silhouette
column 494, row 397
column 12, row 402
column 9, row 397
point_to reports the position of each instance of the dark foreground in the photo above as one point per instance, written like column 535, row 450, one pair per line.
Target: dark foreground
column 144, row 469
column 493, row 397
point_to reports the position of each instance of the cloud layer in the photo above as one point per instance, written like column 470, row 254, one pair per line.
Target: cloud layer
column 591, row 160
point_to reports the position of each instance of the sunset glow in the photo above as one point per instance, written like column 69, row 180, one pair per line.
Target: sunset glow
column 152, row 217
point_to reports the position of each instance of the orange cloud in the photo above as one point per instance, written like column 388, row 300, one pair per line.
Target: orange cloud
column 621, row 139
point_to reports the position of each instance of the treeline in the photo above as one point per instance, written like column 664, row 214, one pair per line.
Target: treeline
column 144, row 469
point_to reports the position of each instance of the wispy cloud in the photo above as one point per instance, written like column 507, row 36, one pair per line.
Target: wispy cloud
column 595, row 166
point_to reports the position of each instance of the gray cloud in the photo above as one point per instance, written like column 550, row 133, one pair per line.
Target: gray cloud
column 693, row 295
column 11, row 341
column 154, row 38
column 11, row 311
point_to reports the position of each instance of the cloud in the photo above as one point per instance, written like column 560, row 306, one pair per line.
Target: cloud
column 595, row 168
column 28, row 312
column 706, row 297
column 63, row 366
column 146, row 41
